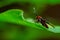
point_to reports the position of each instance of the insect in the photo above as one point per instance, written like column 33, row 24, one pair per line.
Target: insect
column 42, row 20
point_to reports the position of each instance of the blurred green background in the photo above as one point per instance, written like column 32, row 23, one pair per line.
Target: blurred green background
column 14, row 27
